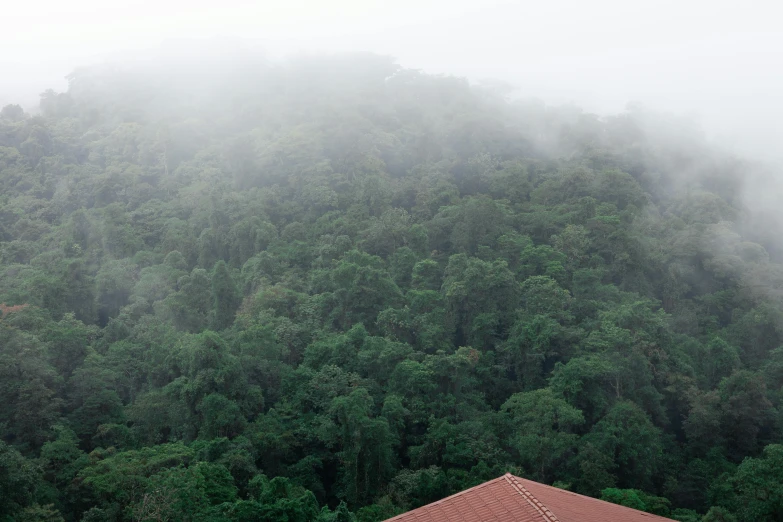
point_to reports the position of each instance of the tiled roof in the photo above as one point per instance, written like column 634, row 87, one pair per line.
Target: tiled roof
column 513, row 499
column 498, row 500
column 572, row 507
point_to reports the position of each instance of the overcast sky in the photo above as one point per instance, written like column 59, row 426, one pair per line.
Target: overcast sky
column 722, row 61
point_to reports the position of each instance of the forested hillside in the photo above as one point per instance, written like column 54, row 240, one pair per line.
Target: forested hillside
column 336, row 290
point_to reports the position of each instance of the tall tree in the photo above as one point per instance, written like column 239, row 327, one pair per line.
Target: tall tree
column 225, row 299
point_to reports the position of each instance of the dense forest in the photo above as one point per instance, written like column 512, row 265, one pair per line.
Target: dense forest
column 333, row 289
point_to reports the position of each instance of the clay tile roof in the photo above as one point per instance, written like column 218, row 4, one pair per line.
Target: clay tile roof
column 513, row 499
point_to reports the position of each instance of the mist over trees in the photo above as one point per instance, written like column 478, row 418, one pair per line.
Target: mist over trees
column 335, row 289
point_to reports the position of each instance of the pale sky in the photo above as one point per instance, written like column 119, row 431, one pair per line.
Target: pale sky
column 721, row 60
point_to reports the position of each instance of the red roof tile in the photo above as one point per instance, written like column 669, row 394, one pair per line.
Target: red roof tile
column 513, row 499
column 572, row 507
column 495, row 501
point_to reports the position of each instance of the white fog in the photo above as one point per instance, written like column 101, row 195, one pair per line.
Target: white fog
column 717, row 62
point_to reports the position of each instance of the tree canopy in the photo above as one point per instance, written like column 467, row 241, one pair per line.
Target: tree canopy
column 334, row 289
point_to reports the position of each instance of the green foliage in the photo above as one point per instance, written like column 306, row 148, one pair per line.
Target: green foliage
column 225, row 300
column 378, row 287
column 636, row 499
column 631, row 441
column 755, row 490
column 542, row 429
column 19, row 481
column 184, row 492
column 685, row 515
column 39, row 513
column 29, row 402
column 718, row 514
column 624, row 497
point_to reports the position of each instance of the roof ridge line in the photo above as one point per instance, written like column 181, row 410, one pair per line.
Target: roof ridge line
column 477, row 486
column 531, row 499
column 589, row 498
